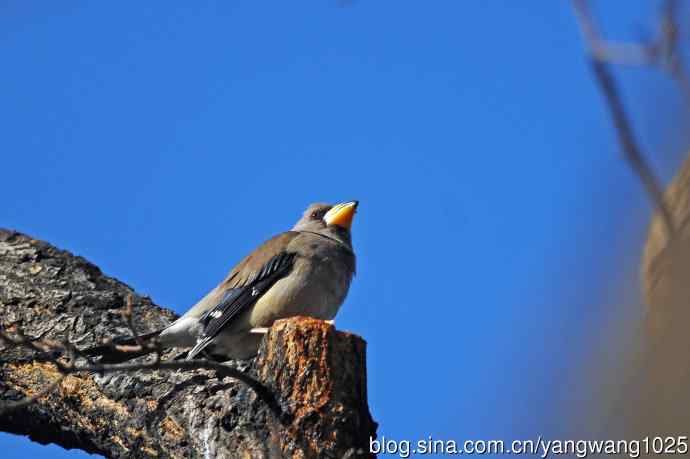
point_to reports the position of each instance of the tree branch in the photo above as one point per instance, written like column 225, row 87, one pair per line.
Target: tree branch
column 52, row 302
column 72, row 367
column 600, row 54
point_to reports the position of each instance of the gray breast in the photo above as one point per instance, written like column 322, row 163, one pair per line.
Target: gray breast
column 316, row 286
column 329, row 274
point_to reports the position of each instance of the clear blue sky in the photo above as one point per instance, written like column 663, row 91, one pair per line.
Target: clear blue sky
column 165, row 140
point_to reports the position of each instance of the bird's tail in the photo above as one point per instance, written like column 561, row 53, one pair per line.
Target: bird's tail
column 110, row 354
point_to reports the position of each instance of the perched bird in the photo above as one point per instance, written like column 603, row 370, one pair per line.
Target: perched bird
column 305, row 271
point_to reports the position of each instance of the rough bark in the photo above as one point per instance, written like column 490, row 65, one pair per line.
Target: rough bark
column 317, row 375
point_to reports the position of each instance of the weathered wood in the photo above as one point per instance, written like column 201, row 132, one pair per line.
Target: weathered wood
column 317, row 374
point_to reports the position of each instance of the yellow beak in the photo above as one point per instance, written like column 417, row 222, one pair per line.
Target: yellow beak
column 341, row 214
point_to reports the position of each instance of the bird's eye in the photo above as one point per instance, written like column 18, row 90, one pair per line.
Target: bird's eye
column 315, row 215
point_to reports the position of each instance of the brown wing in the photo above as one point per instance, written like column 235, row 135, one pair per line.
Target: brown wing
column 245, row 284
column 250, row 268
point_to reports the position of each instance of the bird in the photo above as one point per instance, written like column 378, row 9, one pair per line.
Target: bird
column 306, row 271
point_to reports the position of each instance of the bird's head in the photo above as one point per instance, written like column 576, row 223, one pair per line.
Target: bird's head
column 333, row 221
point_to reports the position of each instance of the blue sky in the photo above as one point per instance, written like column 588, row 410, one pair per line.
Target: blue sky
column 498, row 224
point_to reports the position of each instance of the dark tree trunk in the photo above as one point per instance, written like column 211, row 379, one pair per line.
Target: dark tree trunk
column 316, row 374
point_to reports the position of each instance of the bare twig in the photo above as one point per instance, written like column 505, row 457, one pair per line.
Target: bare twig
column 627, row 141
column 668, row 50
column 143, row 343
column 631, row 150
column 663, row 51
column 72, row 366
column 127, row 314
column 10, row 406
column 64, row 369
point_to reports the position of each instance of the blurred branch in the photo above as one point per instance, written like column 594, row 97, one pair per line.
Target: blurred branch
column 662, row 51
column 601, row 54
column 667, row 49
column 627, row 140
